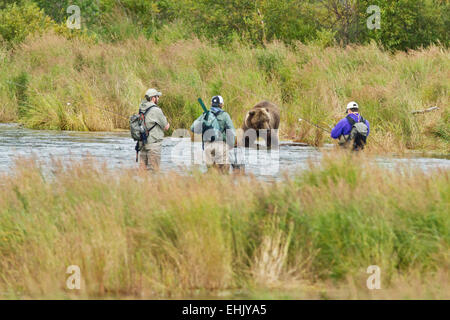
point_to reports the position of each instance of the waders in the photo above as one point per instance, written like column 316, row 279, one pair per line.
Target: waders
column 237, row 168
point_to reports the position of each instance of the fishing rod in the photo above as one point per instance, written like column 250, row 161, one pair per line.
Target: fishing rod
column 300, row 119
column 315, row 125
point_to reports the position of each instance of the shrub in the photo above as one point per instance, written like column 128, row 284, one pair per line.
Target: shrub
column 19, row 21
column 19, row 86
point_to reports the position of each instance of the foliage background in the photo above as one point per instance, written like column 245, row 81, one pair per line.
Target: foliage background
column 406, row 24
column 310, row 57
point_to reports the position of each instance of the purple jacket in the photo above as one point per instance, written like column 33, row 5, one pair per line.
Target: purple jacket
column 344, row 127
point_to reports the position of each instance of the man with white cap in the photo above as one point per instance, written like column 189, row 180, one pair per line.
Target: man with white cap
column 216, row 144
column 155, row 124
column 353, row 128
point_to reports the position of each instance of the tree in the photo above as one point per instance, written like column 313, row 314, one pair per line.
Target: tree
column 341, row 16
column 19, row 21
column 289, row 20
column 409, row 24
column 222, row 19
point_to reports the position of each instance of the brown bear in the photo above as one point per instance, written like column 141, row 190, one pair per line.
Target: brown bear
column 264, row 118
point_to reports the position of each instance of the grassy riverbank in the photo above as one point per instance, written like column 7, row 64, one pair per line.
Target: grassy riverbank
column 105, row 82
column 312, row 235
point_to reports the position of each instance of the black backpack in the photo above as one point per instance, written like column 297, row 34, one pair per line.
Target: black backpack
column 359, row 133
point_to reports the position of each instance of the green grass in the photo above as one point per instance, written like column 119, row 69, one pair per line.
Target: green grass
column 210, row 235
column 105, row 83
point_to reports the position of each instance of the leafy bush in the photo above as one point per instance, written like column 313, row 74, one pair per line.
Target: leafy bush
column 405, row 24
column 57, row 10
column 410, row 24
column 19, row 21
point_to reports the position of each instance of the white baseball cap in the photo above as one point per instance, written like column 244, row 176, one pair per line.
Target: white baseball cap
column 153, row 92
column 352, row 105
column 216, row 100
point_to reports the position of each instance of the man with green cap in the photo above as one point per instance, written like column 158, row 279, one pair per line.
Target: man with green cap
column 155, row 123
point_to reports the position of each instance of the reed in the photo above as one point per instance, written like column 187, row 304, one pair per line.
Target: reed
column 150, row 236
column 104, row 84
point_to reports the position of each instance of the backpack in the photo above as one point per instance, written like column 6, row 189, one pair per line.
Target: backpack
column 359, row 133
column 138, row 128
column 210, row 127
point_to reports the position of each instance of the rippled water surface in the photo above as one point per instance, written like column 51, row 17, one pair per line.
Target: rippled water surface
column 116, row 149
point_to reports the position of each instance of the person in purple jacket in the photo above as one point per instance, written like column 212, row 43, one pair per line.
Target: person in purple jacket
column 353, row 128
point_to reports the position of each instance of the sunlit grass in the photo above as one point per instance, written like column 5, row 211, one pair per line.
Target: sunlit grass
column 151, row 236
column 104, row 84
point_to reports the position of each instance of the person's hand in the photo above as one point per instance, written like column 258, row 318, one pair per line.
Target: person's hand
column 167, row 127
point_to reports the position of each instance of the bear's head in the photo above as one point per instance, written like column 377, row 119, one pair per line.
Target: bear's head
column 258, row 118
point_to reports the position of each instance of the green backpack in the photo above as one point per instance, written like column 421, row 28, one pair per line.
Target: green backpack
column 210, row 127
column 139, row 131
column 138, row 127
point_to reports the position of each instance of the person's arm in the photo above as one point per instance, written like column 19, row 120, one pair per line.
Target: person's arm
column 229, row 124
column 368, row 127
column 161, row 120
column 336, row 132
column 230, row 131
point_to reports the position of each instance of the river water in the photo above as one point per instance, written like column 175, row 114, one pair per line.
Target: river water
column 116, row 149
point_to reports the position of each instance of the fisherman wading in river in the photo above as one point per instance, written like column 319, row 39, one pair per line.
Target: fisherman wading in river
column 147, row 128
column 218, row 134
column 353, row 130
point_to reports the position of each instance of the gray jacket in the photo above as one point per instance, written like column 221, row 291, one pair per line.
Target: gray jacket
column 154, row 116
